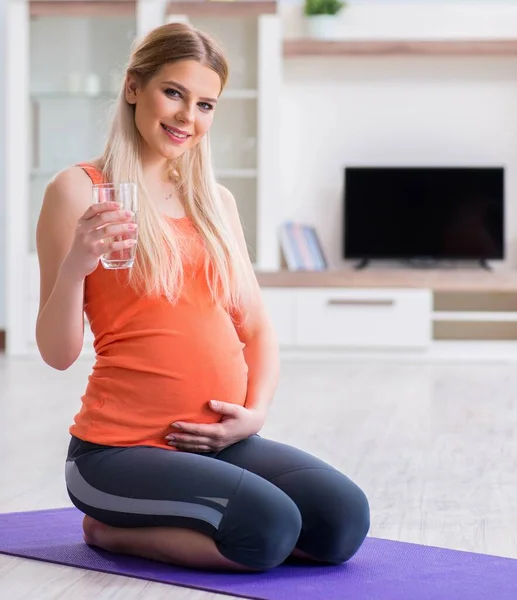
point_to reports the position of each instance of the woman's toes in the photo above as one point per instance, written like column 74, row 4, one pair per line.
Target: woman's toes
column 94, row 532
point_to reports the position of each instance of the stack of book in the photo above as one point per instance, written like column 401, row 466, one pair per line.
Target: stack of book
column 301, row 247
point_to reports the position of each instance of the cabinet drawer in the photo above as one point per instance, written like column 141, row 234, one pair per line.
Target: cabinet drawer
column 363, row 318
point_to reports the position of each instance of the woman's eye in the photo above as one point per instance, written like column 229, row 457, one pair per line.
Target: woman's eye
column 172, row 93
column 206, row 106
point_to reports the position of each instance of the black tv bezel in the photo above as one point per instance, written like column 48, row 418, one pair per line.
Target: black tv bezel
column 417, row 257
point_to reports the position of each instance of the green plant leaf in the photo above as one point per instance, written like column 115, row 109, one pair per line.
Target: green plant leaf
column 323, row 7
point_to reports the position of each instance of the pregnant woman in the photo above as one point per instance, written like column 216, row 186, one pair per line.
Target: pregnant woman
column 164, row 458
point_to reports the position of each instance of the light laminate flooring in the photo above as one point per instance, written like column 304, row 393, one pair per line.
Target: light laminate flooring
column 433, row 446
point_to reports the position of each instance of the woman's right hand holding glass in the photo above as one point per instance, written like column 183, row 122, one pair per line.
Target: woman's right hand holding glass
column 95, row 236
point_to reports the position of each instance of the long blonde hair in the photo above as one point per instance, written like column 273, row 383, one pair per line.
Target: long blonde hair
column 158, row 268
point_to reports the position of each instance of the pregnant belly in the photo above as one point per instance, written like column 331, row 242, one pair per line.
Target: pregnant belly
column 134, row 396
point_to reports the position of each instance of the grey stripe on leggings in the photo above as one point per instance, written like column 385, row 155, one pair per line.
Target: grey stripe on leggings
column 93, row 497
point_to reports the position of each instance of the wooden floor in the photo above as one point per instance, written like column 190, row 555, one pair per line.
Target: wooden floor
column 433, row 446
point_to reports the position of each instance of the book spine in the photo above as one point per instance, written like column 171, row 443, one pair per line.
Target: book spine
column 304, row 250
column 317, row 260
column 321, row 254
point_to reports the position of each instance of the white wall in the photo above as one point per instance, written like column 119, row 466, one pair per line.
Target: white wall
column 396, row 111
column 3, row 10
column 381, row 110
column 415, row 19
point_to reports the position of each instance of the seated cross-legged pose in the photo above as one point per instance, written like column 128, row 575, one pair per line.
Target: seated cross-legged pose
column 164, row 458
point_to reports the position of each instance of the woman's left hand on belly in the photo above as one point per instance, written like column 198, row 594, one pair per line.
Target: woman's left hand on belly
column 237, row 423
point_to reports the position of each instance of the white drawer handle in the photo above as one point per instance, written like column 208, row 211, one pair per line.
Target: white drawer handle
column 349, row 302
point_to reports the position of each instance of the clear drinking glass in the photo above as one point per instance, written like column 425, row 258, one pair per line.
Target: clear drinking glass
column 126, row 196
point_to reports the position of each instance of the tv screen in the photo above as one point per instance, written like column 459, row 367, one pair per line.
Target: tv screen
column 424, row 213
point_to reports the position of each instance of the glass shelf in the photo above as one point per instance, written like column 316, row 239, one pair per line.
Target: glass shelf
column 228, row 94
column 236, row 173
column 239, row 94
column 40, row 96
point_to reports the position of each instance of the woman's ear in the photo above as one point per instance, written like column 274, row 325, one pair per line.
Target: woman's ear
column 131, row 89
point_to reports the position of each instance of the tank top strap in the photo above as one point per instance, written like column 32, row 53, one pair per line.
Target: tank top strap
column 93, row 172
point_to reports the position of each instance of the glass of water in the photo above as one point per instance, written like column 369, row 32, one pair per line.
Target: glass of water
column 125, row 194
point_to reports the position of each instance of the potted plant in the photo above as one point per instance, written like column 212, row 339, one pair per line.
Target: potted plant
column 321, row 17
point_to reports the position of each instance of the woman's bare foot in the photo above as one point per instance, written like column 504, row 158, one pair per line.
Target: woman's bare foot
column 165, row 544
column 96, row 533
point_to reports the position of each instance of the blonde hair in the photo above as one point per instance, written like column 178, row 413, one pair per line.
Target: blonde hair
column 158, row 268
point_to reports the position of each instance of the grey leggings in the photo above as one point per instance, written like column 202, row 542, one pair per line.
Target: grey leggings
column 257, row 499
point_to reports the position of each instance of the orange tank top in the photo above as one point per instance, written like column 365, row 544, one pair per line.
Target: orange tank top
column 157, row 362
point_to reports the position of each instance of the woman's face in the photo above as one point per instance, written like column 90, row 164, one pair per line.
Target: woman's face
column 175, row 109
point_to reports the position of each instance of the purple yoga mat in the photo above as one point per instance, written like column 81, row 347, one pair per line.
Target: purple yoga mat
column 381, row 570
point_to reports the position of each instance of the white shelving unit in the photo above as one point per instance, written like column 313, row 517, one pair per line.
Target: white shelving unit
column 58, row 114
column 441, row 315
column 243, row 94
column 244, row 134
column 237, row 173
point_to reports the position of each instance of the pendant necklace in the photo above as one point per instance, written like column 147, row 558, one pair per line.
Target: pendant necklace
column 168, row 198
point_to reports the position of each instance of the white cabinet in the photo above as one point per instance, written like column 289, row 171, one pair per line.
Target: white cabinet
column 363, row 318
column 65, row 62
column 350, row 318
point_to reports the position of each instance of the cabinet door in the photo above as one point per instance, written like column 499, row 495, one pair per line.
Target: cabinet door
column 363, row 318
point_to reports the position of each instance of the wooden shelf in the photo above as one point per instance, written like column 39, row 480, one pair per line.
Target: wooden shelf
column 310, row 47
column 222, row 8
column 82, row 8
column 475, row 317
column 450, row 280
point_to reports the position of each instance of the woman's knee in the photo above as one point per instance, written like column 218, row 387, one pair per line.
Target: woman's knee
column 261, row 527
column 349, row 525
column 335, row 513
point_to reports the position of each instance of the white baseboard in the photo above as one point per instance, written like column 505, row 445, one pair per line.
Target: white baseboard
column 438, row 353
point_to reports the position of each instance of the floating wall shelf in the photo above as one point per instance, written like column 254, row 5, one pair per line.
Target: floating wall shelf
column 310, row 47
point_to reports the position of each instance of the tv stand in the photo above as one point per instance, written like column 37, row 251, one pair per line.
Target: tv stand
column 418, row 313
column 363, row 263
column 421, row 263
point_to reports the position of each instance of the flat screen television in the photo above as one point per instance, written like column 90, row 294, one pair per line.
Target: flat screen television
column 431, row 213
